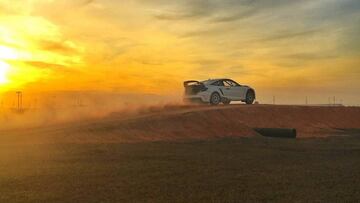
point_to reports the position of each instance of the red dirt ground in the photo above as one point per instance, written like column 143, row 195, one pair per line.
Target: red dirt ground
column 194, row 122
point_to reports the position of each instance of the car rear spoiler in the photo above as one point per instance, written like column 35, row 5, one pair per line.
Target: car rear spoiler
column 187, row 83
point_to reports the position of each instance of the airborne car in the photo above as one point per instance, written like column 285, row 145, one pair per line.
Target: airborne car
column 216, row 91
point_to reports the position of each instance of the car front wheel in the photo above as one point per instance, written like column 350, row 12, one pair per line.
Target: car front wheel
column 250, row 97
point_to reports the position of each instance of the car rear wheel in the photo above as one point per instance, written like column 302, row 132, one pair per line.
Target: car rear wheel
column 250, row 97
column 215, row 98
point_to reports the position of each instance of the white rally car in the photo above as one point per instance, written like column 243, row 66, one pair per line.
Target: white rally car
column 216, row 91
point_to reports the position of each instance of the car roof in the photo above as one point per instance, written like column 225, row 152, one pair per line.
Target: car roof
column 214, row 80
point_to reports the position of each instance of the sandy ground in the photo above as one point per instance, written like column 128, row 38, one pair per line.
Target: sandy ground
column 171, row 123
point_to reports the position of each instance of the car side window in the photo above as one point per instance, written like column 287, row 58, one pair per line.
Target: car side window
column 235, row 83
column 229, row 83
column 232, row 83
column 218, row 83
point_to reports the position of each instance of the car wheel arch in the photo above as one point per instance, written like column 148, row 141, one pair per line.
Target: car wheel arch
column 250, row 96
column 251, row 90
column 215, row 92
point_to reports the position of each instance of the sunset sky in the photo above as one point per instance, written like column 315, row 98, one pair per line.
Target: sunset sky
column 286, row 48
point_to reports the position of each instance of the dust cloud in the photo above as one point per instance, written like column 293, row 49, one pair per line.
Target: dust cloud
column 37, row 110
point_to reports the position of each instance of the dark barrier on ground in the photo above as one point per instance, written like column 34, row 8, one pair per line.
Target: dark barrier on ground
column 277, row 132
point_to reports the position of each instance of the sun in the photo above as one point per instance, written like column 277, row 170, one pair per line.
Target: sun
column 4, row 68
column 6, row 53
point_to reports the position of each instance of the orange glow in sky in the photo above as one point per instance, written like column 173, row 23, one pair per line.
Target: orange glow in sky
column 4, row 68
column 152, row 46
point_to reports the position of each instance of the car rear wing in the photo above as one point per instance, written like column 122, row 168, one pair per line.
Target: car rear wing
column 192, row 82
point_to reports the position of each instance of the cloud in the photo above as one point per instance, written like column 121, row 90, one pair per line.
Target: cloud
column 198, row 33
column 217, row 11
column 303, row 59
column 12, row 8
column 151, row 40
column 149, row 62
column 51, row 66
column 234, row 17
column 311, row 56
column 87, row 2
column 62, row 47
column 286, row 35
column 175, row 15
column 206, row 62
column 184, row 11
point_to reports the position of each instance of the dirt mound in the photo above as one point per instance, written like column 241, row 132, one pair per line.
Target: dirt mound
column 198, row 122
column 309, row 121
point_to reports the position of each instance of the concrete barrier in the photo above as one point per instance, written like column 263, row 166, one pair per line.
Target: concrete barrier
column 277, row 132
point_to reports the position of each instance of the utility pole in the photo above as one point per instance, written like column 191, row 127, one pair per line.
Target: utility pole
column 334, row 100
column 35, row 103
column 274, row 100
column 306, row 100
column 19, row 96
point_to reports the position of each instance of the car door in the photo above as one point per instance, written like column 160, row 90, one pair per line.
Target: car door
column 237, row 92
column 225, row 89
column 228, row 89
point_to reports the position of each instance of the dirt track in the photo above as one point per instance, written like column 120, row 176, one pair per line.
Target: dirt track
column 194, row 122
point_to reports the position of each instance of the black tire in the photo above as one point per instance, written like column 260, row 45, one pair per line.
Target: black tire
column 250, row 97
column 215, row 98
column 226, row 101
